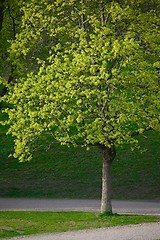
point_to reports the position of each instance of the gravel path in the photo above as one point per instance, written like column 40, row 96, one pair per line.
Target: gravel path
column 147, row 231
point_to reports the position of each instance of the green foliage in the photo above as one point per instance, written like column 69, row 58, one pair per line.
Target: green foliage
column 10, row 26
column 92, row 77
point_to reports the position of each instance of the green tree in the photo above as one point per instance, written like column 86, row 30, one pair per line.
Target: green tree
column 10, row 22
column 92, row 78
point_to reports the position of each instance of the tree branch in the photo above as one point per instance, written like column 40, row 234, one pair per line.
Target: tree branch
column 138, row 133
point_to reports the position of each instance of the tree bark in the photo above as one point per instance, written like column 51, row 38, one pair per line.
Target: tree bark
column 4, row 89
column 108, row 155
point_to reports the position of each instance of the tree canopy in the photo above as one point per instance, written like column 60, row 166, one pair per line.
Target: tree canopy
column 10, row 21
column 91, row 73
column 87, row 73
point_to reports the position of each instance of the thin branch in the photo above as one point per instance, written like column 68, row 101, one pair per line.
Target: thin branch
column 102, row 12
column 138, row 133
column 106, row 19
column 13, row 22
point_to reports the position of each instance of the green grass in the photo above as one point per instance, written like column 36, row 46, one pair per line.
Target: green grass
column 63, row 172
column 14, row 224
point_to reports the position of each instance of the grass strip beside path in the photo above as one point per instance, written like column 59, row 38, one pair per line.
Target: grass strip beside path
column 18, row 223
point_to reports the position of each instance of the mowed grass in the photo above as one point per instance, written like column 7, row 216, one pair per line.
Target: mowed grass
column 63, row 172
column 14, row 224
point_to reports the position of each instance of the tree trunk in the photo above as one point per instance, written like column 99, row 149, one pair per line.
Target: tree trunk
column 4, row 89
column 108, row 155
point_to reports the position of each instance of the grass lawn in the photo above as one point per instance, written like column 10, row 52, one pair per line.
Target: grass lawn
column 14, row 224
column 64, row 172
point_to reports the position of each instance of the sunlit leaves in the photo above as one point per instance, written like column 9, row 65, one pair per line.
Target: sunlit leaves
column 91, row 74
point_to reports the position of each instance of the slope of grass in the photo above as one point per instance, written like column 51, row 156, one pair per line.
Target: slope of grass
column 63, row 172
column 14, row 224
